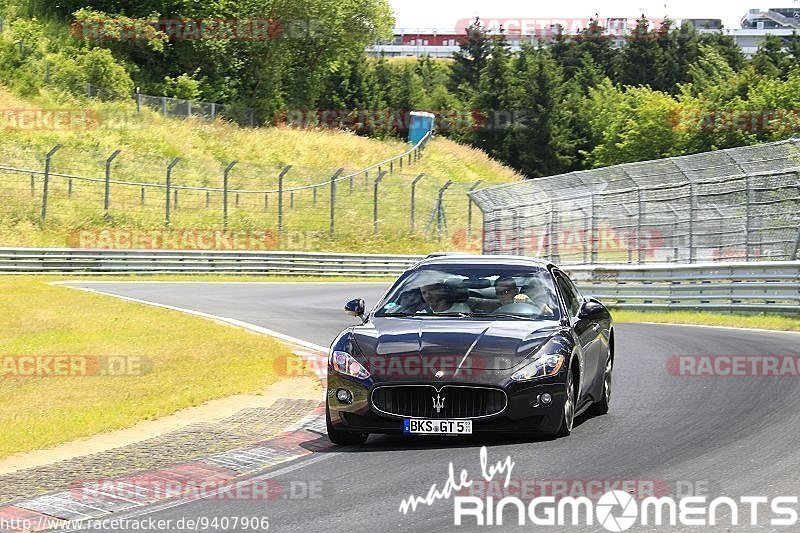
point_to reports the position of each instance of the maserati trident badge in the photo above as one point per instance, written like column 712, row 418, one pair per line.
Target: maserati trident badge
column 438, row 403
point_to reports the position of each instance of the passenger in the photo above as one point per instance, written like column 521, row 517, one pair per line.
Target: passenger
column 441, row 299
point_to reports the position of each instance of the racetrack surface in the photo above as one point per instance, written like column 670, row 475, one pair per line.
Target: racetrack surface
column 737, row 436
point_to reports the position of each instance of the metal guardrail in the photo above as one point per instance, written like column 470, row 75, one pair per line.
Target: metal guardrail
column 769, row 286
column 764, row 286
column 75, row 261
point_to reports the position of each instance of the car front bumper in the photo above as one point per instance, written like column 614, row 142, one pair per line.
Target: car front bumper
column 523, row 413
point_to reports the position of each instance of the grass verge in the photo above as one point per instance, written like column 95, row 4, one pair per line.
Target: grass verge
column 185, row 361
column 760, row 321
column 149, row 141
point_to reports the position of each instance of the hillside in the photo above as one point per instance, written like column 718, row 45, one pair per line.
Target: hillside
column 149, row 141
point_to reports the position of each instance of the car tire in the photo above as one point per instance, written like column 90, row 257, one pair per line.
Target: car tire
column 343, row 438
column 568, row 414
column 601, row 406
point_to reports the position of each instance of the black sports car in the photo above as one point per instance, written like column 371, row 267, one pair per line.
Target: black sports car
column 465, row 344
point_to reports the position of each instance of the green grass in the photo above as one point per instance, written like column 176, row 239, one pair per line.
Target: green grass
column 760, row 321
column 192, row 360
column 150, row 141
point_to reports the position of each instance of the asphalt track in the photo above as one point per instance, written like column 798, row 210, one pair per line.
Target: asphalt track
column 734, row 436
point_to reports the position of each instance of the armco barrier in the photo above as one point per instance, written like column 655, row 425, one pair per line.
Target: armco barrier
column 72, row 261
column 768, row 286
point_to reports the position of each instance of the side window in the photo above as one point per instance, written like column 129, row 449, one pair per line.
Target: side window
column 569, row 292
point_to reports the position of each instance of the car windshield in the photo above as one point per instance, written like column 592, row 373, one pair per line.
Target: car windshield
column 478, row 291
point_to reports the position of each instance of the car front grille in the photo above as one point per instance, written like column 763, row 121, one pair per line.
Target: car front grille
column 453, row 401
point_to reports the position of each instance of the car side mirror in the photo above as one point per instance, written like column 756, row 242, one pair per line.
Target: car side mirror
column 591, row 308
column 355, row 308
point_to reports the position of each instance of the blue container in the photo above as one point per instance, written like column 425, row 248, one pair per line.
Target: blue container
column 421, row 124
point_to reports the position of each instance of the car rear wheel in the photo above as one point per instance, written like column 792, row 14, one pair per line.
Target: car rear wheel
column 343, row 438
column 568, row 416
column 601, row 406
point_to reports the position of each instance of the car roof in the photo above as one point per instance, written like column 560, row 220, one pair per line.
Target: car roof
column 467, row 259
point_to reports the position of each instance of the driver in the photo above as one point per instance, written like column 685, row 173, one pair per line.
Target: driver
column 533, row 294
column 507, row 293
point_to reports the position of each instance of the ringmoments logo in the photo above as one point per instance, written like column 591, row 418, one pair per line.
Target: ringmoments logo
column 615, row 510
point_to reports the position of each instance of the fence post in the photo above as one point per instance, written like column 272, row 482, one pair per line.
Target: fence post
column 69, row 187
column 107, row 194
column 375, row 202
column 333, row 200
column 225, row 175
column 169, row 189
column 138, row 100
column 554, row 254
column 593, row 233
column 314, row 201
column 413, row 198
column 441, row 221
column 748, row 217
column 266, row 201
column 692, row 253
column 33, row 184
column 208, row 199
column 280, row 199
column 469, row 209
column 639, row 216
column 391, row 167
column 141, row 199
column 797, row 238
column 46, row 184
column 175, row 199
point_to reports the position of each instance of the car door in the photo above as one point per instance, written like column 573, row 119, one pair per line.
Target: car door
column 586, row 330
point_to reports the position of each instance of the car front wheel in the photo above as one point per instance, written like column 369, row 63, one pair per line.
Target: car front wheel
column 568, row 415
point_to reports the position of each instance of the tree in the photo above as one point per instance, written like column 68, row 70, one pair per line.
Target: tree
column 771, row 59
column 726, row 46
column 640, row 56
column 492, row 100
column 470, row 60
column 539, row 142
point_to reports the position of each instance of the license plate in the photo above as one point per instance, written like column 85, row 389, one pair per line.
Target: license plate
column 420, row 426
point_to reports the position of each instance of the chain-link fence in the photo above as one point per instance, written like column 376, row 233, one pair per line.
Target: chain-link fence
column 180, row 108
column 734, row 204
column 121, row 197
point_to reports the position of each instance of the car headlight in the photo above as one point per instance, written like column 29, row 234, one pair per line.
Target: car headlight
column 541, row 366
column 344, row 363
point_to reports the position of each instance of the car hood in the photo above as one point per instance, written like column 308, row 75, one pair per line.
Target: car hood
column 428, row 345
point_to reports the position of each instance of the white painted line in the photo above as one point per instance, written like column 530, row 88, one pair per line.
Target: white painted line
column 225, row 320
